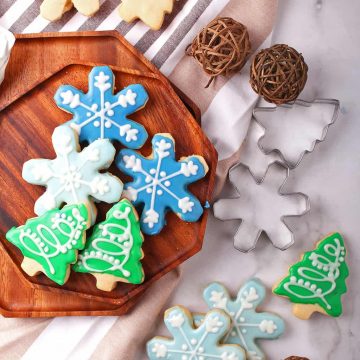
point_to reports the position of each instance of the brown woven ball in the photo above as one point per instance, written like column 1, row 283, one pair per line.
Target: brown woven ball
column 221, row 47
column 278, row 73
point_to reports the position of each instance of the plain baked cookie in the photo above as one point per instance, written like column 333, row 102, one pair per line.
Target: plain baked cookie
column 54, row 9
column 151, row 12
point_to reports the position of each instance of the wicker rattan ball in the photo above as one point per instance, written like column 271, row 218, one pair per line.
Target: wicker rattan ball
column 221, row 47
column 278, row 73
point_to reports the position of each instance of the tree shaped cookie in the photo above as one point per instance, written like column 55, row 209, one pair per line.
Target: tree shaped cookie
column 50, row 242
column 151, row 12
column 54, row 9
column 247, row 324
column 193, row 343
column 74, row 177
column 262, row 206
column 160, row 183
column 113, row 251
column 317, row 281
column 101, row 114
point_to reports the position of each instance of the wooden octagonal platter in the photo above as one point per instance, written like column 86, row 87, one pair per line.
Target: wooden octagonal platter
column 38, row 66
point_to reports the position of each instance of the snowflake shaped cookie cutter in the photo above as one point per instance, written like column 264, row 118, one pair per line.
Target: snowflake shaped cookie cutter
column 247, row 324
column 263, row 208
column 101, row 114
column 74, row 177
column 160, row 183
column 191, row 343
column 312, row 123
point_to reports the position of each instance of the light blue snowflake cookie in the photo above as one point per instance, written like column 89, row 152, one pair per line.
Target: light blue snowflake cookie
column 191, row 343
column 73, row 177
column 247, row 325
column 100, row 114
column 160, row 183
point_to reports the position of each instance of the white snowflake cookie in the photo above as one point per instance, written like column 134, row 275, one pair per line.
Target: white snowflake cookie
column 74, row 177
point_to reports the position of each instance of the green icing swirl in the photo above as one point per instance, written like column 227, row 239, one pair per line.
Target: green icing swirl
column 114, row 246
column 319, row 278
column 52, row 240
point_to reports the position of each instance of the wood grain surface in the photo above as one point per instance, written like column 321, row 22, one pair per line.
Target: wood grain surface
column 27, row 121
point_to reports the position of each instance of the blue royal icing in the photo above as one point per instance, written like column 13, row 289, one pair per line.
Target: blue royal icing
column 74, row 177
column 99, row 114
column 160, row 183
column 190, row 343
column 247, row 325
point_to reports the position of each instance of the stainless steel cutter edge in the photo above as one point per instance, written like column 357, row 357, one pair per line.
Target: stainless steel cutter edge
column 300, row 102
column 281, row 193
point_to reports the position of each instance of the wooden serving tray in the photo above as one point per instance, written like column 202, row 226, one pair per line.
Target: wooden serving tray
column 29, row 116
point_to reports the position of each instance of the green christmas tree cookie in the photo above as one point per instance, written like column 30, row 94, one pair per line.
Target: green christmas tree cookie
column 113, row 252
column 317, row 282
column 50, row 242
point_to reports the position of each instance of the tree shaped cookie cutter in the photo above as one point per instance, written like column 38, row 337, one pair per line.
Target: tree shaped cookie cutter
column 263, row 215
column 316, row 131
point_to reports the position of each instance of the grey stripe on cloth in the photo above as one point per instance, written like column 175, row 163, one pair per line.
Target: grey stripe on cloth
column 123, row 28
column 27, row 17
column 151, row 36
column 105, row 10
column 176, row 37
column 4, row 6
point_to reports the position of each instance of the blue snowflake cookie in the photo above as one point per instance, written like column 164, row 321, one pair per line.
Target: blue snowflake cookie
column 74, row 177
column 247, row 325
column 191, row 343
column 160, row 183
column 100, row 114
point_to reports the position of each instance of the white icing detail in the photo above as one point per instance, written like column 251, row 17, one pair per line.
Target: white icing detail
column 100, row 185
column 185, row 205
column 131, row 134
column 213, row 324
column 189, row 168
column 68, row 98
column 176, row 320
column 72, row 227
column 133, row 163
column 307, row 274
column 151, row 218
column 102, row 81
column 94, row 155
column 218, row 299
column 161, row 148
column 128, row 99
column 267, row 326
column 160, row 350
column 42, row 172
column 228, row 356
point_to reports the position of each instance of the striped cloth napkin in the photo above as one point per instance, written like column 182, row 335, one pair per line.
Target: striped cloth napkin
column 226, row 105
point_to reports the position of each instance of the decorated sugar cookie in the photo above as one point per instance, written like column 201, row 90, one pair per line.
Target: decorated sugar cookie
column 101, row 114
column 160, row 183
column 50, row 242
column 151, row 12
column 317, row 281
column 54, row 9
column 247, row 324
column 193, row 343
column 74, row 177
column 113, row 251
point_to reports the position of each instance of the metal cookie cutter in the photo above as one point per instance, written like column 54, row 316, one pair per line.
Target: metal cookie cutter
column 292, row 130
column 262, row 207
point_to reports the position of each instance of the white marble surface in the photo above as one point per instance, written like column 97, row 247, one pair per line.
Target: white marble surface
column 328, row 35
